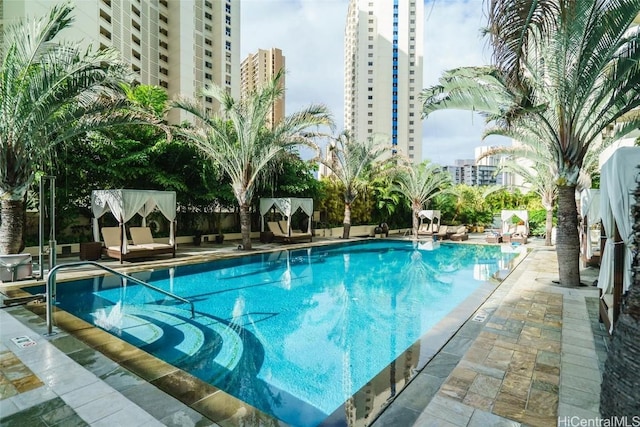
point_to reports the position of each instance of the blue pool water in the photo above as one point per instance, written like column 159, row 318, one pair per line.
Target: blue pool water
column 294, row 333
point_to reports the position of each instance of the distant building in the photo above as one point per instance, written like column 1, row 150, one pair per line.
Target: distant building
column 475, row 172
column 259, row 68
column 178, row 45
column 383, row 47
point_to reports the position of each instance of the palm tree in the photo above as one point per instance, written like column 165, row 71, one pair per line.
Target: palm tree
column 565, row 72
column 419, row 184
column 352, row 163
column 240, row 141
column 49, row 92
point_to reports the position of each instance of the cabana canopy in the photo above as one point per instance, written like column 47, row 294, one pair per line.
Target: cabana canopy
column 124, row 204
column 507, row 215
column 618, row 179
column 431, row 215
column 287, row 206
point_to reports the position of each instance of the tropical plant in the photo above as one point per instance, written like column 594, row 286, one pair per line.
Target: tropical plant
column 353, row 164
column 419, row 184
column 50, row 92
column 240, row 141
column 565, row 71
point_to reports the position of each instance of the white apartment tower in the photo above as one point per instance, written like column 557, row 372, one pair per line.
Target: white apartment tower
column 179, row 45
column 259, row 68
column 383, row 48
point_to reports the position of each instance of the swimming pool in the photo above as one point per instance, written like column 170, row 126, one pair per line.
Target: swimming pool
column 295, row 333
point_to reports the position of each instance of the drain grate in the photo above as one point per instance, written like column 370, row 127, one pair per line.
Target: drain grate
column 480, row 316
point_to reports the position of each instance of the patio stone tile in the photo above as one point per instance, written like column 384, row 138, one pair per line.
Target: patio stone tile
column 522, row 363
column 484, row 418
column 478, row 401
column 516, row 385
column 542, row 403
column 447, row 409
column 581, row 371
column 587, row 362
column 485, row 386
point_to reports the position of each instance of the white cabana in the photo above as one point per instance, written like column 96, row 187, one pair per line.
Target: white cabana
column 431, row 215
column 124, row 204
column 590, row 212
column 434, row 218
column 287, row 206
column 618, row 179
column 507, row 215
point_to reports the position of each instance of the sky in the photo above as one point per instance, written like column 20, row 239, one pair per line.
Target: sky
column 310, row 34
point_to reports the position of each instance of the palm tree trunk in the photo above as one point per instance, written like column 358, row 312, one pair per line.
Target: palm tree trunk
column 415, row 225
column 567, row 239
column 245, row 226
column 11, row 226
column 548, row 227
column 346, row 224
column 619, row 393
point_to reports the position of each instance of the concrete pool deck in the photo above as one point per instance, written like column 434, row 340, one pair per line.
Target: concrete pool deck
column 532, row 354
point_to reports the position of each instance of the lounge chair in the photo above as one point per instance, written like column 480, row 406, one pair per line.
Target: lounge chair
column 141, row 237
column 425, row 229
column 114, row 246
column 15, row 267
column 460, row 234
column 442, row 232
column 520, row 235
column 281, row 236
column 493, row 237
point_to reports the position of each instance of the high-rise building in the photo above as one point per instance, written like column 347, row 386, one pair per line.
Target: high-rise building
column 179, row 45
column 383, row 48
column 258, row 69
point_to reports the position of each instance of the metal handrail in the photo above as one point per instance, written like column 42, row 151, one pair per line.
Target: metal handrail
column 51, row 281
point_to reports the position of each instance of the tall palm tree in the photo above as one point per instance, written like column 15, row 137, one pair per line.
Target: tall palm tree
column 570, row 69
column 353, row 163
column 240, row 141
column 419, row 184
column 49, row 92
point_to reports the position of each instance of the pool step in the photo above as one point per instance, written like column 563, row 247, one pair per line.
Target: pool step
column 169, row 333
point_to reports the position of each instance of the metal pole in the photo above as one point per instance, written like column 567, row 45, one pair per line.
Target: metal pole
column 41, row 229
column 51, row 296
column 52, row 216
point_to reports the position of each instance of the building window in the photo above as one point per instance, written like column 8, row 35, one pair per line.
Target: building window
column 104, row 15
column 208, row 99
column 227, row 45
column 164, row 84
column 227, row 20
column 208, row 53
column 163, row 18
column 207, row 42
column 164, row 45
column 208, row 15
column 207, row 76
column 105, row 33
column 208, row 64
column 227, row 8
column 227, row 31
column 163, row 31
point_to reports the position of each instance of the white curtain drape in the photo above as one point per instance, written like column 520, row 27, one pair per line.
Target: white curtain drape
column 589, row 208
column 618, row 179
column 124, row 204
column 287, row 206
column 429, row 214
column 506, row 216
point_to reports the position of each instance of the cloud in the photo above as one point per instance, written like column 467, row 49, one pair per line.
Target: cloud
column 311, row 36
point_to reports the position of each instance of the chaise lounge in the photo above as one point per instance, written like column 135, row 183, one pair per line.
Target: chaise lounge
column 117, row 246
